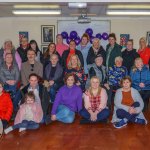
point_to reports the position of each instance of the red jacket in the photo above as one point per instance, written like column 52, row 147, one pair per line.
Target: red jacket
column 6, row 106
column 145, row 55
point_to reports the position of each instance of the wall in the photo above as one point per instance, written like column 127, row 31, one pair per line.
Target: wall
column 10, row 27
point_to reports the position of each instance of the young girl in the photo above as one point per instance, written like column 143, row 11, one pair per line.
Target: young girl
column 6, row 108
column 29, row 115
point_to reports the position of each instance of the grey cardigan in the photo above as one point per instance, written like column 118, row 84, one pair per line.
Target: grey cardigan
column 26, row 70
column 118, row 105
column 6, row 74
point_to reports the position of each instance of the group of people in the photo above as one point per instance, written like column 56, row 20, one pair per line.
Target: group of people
column 40, row 88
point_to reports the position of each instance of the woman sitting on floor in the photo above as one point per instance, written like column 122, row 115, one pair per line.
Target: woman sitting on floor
column 68, row 101
column 29, row 115
column 95, row 101
column 128, row 105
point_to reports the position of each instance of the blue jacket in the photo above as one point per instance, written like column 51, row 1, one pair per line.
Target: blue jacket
column 84, row 53
column 142, row 76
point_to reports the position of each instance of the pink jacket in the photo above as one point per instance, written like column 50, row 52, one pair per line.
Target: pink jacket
column 103, row 101
column 60, row 48
column 37, row 113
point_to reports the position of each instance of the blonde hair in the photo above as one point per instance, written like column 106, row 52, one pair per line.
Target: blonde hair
column 78, row 62
column 142, row 39
column 134, row 68
column 90, row 88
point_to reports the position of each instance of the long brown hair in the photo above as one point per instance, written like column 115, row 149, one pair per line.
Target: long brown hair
column 46, row 54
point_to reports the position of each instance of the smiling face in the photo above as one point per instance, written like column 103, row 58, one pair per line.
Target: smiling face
column 24, row 42
column 118, row 62
column 59, row 39
column 72, row 45
column 96, row 43
column 29, row 100
column 74, row 61
column 99, row 61
column 142, row 43
column 84, row 41
column 54, row 59
column 33, row 46
column 95, row 83
column 138, row 63
column 129, row 45
column 70, row 81
column 51, row 48
column 31, row 55
column 8, row 46
column 33, row 81
column 8, row 58
column 111, row 41
column 126, row 84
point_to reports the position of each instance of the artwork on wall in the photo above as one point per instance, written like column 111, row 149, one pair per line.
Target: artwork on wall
column 44, row 48
column 47, row 34
column 124, row 39
column 23, row 34
column 148, row 38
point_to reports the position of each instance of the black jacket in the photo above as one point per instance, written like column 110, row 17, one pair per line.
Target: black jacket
column 128, row 58
column 65, row 55
column 91, row 55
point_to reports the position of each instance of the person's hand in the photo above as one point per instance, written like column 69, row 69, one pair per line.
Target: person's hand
column 142, row 85
column 51, row 82
column 53, row 117
column 132, row 110
column 107, row 86
column 93, row 116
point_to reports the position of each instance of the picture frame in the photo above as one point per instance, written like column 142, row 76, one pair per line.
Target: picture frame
column 44, row 48
column 23, row 34
column 47, row 34
column 148, row 38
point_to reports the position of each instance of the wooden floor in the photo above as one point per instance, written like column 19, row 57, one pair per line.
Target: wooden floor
column 59, row 136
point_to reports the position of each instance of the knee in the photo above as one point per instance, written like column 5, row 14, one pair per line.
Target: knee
column 70, row 120
column 136, row 104
column 119, row 112
column 36, row 126
column 106, row 113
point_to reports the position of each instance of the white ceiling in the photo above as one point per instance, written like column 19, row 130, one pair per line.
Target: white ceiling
column 97, row 7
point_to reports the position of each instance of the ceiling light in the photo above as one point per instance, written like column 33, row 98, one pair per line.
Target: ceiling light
column 77, row 5
column 36, row 12
column 128, row 6
column 127, row 12
column 36, row 6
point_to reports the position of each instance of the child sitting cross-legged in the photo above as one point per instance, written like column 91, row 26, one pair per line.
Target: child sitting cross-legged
column 29, row 115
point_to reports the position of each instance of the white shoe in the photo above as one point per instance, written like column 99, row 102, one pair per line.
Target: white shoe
column 1, row 128
column 9, row 129
column 22, row 129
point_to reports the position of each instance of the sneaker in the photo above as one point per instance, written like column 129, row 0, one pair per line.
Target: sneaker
column 22, row 129
column 1, row 128
column 140, row 121
column 120, row 124
column 7, row 130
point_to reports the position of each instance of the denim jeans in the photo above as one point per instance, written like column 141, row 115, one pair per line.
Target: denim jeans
column 121, row 114
column 14, row 93
column 52, row 92
column 26, row 124
column 64, row 114
column 103, row 115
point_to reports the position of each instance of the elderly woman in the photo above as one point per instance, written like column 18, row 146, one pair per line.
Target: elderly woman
column 95, row 102
column 53, row 73
column 140, row 75
column 99, row 70
column 68, row 101
column 115, row 74
column 84, row 47
column 9, row 48
column 129, row 55
column 74, row 66
column 144, row 51
column 47, row 55
column 95, row 50
column 128, row 105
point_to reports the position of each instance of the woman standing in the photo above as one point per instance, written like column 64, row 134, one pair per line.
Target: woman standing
column 47, row 55
column 74, row 66
column 128, row 105
column 95, row 101
column 84, row 47
column 68, row 101
column 144, row 51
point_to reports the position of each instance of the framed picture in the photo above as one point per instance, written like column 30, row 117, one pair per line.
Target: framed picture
column 47, row 34
column 44, row 48
column 23, row 34
column 148, row 38
column 124, row 39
